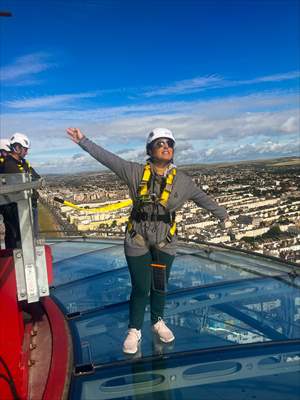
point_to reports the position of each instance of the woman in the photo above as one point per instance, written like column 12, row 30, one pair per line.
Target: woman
column 157, row 190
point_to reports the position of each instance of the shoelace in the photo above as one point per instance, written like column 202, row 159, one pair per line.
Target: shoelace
column 161, row 322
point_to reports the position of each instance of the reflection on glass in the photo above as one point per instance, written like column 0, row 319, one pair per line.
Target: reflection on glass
column 218, row 301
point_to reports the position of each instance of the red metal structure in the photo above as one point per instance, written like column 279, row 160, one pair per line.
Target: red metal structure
column 13, row 371
column 16, row 330
column 34, row 341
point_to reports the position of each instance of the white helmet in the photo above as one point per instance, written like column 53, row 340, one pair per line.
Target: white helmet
column 21, row 139
column 158, row 133
column 5, row 144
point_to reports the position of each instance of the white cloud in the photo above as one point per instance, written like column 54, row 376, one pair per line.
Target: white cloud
column 269, row 113
column 24, row 68
column 210, row 152
column 290, row 125
column 185, row 153
column 68, row 164
column 199, row 84
column 217, row 123
column 133, row 154
column 276, row 77
column 187, row 86
column 235, row 151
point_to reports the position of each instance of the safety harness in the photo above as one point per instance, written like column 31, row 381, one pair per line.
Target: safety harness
column 24, row 163
column 145, row 197
column 2, row 161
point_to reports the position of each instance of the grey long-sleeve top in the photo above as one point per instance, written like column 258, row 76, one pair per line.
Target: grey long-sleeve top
column 151, row 233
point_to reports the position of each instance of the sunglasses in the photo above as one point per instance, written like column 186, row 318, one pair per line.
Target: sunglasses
column 162, row 142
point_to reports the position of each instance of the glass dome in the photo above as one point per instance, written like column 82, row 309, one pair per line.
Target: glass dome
column 235, row 315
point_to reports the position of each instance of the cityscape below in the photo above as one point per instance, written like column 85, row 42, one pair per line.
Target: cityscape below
column 261, row 197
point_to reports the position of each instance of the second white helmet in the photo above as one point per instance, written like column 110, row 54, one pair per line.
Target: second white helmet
column 5, row 144
column 21, row 139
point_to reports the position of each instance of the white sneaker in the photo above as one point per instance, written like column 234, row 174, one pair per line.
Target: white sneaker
column 165, row 334
column 131, row 343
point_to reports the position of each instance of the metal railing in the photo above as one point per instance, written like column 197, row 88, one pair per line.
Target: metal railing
column 30, row 258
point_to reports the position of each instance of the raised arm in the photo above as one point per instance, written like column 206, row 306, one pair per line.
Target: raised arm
column 125, row 170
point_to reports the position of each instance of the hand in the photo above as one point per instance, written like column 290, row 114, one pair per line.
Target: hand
column 75, row 134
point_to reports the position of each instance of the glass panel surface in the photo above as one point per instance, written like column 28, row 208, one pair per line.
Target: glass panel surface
column 218, row 301
column 192, row 270
column 62, row 250
column 88, row 264
column 114, row 286
column 238, row 259
column 200, row 318
column 96, row 291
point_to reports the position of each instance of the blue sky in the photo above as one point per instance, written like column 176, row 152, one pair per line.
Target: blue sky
column 223, row 75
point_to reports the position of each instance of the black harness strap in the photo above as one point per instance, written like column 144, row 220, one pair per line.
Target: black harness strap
column 139, row 216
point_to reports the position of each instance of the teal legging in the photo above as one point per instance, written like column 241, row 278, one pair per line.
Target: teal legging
column 140, row 272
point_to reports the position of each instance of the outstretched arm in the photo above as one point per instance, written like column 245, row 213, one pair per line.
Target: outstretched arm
column 206, row 202
column 75, row 134
column 125, row 170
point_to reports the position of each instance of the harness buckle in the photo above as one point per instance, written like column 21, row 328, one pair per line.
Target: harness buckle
column 168, row 238
column 132, row 233
column 168, row 187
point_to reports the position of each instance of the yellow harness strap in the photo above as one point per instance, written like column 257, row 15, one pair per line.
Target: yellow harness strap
column 103, row 209
column 20, row 166
column 144, row 195
column 144, row 186
column 164, row 198
column 173, row 229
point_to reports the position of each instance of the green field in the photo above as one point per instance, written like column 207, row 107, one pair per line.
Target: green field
column 274, row 162
column 295, row 161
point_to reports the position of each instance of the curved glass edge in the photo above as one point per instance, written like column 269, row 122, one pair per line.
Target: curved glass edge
column 262, row 371
column 227, row 300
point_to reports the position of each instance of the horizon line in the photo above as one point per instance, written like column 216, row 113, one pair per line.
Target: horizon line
column 204, row 164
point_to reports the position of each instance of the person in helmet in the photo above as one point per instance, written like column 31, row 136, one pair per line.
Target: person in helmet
column 4, row 151
column 4, row 147
column 20, row 145
column 14, row 163
column 157, row 190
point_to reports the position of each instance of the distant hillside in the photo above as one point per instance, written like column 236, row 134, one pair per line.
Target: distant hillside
column 274, row 162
